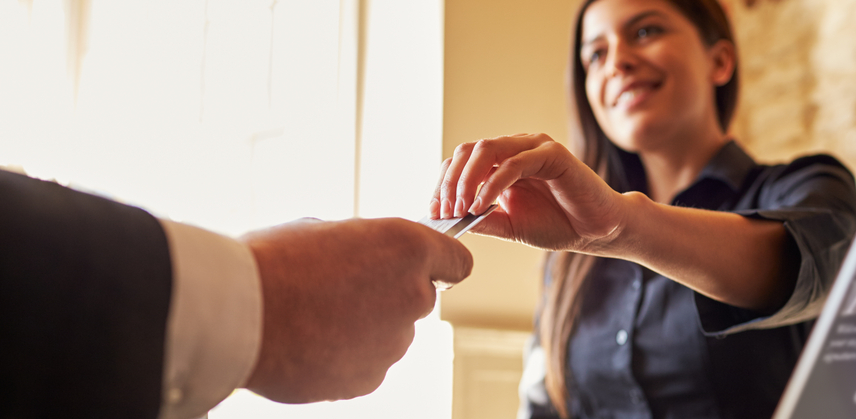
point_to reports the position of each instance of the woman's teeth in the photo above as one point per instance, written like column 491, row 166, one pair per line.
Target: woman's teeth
column 629, row 95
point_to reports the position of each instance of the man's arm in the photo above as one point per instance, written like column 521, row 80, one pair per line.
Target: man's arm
column 340, row 302
column 85, row 286
column 92, row 292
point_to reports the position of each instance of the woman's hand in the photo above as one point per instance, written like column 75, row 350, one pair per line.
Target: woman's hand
column 547, row 197
column 551, row 200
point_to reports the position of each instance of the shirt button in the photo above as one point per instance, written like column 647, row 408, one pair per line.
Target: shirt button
column 636, row 284
column 636, row 396
column 621, row 337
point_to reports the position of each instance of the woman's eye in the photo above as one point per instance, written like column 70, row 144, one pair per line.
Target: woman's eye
column 595, row 56
column 647, row 31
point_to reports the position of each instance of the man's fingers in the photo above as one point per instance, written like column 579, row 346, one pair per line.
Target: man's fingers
column 449, row 261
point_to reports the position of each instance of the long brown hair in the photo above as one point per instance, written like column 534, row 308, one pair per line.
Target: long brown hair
column 567, row 271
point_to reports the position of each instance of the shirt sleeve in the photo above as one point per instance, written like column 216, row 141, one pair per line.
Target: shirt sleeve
column 214, row 324
column 815, row 199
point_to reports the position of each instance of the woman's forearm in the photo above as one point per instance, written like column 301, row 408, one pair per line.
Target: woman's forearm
column 730, row 258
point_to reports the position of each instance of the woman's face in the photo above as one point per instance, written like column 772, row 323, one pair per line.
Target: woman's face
column 649, row 77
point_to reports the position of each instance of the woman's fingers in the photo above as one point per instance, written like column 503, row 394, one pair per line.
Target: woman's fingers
column 475, row 163
column 496, row 224
column 548, row 198
column 448, row 186
column 434, row 205
column 485, row 155
column 540, row 161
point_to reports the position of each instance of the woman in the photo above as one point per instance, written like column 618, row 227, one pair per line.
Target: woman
column 683, row 275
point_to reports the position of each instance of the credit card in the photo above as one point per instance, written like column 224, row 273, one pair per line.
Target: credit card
column 456, row 227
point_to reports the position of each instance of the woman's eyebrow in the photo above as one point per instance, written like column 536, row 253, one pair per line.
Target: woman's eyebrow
column 641, row 16
column 588, row 42
column 630, row 22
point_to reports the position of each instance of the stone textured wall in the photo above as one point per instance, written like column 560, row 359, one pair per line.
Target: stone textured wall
column 798, row 70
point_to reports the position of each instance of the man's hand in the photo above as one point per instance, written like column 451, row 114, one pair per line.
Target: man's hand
column 340, row 302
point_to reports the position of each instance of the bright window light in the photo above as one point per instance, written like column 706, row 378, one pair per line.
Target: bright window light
column 239, row 114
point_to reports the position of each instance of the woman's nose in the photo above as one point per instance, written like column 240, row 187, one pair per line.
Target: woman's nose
column 621, row 59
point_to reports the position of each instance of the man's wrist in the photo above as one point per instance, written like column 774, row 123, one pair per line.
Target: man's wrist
column 214, row 324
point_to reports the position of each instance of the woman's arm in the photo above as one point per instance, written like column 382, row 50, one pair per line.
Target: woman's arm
column 740, row 261
column 551, row 200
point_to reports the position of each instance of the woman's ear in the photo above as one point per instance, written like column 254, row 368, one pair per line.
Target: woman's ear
column 723, row 59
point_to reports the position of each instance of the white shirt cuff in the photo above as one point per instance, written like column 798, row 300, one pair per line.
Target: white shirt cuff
column 214, row 324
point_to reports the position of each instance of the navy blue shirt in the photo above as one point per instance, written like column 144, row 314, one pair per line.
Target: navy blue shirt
column 648, row 347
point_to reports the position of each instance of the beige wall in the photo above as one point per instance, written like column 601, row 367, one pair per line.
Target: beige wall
column 798, row 61
column 504, row 74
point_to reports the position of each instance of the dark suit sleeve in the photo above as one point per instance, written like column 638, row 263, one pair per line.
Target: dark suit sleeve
column 84, row 293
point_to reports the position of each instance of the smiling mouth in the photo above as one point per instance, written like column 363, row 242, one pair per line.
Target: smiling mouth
column 635, row 94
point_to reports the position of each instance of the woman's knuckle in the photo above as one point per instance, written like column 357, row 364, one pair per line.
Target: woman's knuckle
column 543, row 137
column 514, row 163
column 482, row 144
column 462, row 181
column 463, row 149
column 553, row 146
column 447, row 185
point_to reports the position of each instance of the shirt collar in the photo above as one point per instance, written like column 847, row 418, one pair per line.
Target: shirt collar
column 731, row 165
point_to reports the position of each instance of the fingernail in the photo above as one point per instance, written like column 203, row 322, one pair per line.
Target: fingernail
column 434, row 209
column 446, row 209
column 459, row 208
column 475, row 207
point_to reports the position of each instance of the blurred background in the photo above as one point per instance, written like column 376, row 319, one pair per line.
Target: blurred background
column 238, row 114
